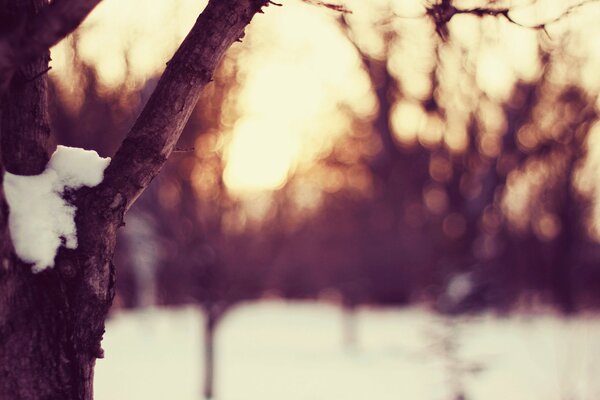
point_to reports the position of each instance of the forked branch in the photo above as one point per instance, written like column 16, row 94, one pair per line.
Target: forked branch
column 35, row 36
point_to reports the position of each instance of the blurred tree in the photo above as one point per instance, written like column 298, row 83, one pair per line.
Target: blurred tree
column 211, row 254
column 51, row 323
column 461, row 191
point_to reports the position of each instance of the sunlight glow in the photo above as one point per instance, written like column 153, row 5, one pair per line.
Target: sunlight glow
column 295, row 81
column 259, row 155
column 130, row 40
column 301, row 86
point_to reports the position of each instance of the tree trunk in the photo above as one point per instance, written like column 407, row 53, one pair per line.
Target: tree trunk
column 51, row 323
column 43, row 354
column 210, row 324
column 47, row 351
column 349, row 327
column 561, row 263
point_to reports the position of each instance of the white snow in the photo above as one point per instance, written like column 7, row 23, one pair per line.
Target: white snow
column 295, row 351
column 40, row 219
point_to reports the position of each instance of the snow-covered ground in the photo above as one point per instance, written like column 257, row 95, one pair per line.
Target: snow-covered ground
column 294, row 351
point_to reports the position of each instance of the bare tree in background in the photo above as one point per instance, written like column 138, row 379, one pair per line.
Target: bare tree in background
column 51, row 323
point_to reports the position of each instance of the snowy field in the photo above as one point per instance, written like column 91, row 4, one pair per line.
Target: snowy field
column 294, row 351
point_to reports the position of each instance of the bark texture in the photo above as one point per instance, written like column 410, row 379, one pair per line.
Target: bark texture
column 51, row 323
column 24, row 107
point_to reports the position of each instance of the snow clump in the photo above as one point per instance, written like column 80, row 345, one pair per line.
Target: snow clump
column 40, row 219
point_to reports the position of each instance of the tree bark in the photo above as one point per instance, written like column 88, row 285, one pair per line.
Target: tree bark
column 51, row 323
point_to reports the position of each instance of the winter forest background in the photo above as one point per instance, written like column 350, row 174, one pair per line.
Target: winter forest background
column 427, row 188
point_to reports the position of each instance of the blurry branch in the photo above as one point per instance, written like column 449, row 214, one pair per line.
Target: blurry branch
column 444, row 11
column 331, row 6
column 184, row 149
column 32, row 38
column 156, row 131
column 381, row 81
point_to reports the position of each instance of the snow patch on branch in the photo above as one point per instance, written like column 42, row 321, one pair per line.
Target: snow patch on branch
column 41, row 218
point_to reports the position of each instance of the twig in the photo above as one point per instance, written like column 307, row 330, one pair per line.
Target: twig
column 184, row 149
column 331, row 6
column 33, row 78
column 444, row 11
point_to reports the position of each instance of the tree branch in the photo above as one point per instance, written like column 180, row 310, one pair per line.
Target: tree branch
column 335, row 7
column 157, row 129
column 444, row 11
column 37, row 35
column 381, row 80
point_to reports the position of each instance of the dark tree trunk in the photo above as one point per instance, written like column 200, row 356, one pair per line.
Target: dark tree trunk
column 51, row 323
column 41, row 354
column 560, row 274
column 210, row 324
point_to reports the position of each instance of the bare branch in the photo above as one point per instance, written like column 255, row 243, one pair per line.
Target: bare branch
column 38, row 34
column 157, row 129
column 184, row 149
column 331, row 6
column 444, row 11
column 381, row 81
